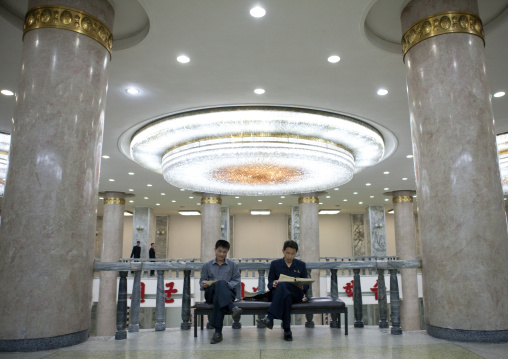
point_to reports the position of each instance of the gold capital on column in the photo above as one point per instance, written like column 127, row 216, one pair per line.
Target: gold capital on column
column 62, row 17
column 308, row 200
column 402, row 199
column 443, row 23
column 212, row 200
column 114, row 201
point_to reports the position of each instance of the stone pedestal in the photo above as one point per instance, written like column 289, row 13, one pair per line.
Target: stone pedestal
column 462, row 223
column 49, row 208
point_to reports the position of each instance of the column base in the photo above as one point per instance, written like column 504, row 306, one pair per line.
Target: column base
column 121, row 335
column 160, row 327
column 459, row 335
column 38, row 344
column 384, row 325
column 396, row 331
column 133, row 328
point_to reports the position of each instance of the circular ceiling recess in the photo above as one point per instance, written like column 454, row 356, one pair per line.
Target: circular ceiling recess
column 257, row 150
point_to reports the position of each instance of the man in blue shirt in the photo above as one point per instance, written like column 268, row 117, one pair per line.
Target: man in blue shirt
column 222, row 293
column 284, row 293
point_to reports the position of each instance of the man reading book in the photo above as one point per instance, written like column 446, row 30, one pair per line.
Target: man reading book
column 285, row 293
column 219, row 278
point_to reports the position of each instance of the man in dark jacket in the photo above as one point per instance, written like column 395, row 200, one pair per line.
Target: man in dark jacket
column 151, row 254
column 136, row 250
column 284, row 293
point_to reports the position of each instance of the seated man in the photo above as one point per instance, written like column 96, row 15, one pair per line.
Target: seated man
column 222, row 293
column 284, row 293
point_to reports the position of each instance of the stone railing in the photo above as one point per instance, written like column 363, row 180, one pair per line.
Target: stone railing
column 261, row 267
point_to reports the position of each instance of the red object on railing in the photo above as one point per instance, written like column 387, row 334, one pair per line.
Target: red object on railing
column 243, row 289
column 375, row 290
column 254, row 289
column 349, row 288
column 170, row 291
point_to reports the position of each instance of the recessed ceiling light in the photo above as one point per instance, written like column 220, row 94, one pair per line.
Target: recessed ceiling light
column 163, row 194
column 345, row 200
column 181, row 189
column 173, row 201
column 260, row 212
column 191, row 197
column 386, row 199
column 386, row 188
column 146, row 197
column 259, row 91
column 131, row 201
column 105, row 156
column 132, row 91
column 360, row 202
column 327, row 196
column 355, row 192
column 239, row 204
column 280, row 203
column 149, row 185
column 237, row 197
column 10, row 93
column 282, row 196
column 101, row 197
column 386, row 172
column 131, row 190
column 382, row 92
column 183, row 59
column 497, row 94
column 260, row 200
column 409, row 156
column 257, row 12
column 334, row 59
column 336, row 189
column 131, row 173
column 320, row 202
column 371, row 196
column 111, row 180
column 157, row 204
column 404, row 179
column 367, row 184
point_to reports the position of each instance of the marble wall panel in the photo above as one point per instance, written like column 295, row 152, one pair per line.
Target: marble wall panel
column 161, row 237
column 358, row 235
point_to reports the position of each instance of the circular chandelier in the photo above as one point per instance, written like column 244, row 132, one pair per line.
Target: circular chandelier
column 257, row 150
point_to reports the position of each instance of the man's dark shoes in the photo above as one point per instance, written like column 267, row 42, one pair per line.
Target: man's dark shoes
column 217, row 338
column 265, row 323
column 288, row 336
column 236, row 313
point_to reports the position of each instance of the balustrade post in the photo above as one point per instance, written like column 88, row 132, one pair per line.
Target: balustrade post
column 160, row 307
column 135, row 303
column 261, row 287
column 121, row 308
column 186, row 301
column 310, row 317
column 395, row 303
column 334, row 292
column 381, row 295
column 357, row 298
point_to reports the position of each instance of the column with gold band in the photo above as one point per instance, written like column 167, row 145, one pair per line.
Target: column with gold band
column 405, row 244
column 53, row 182
column 210, row 224
column 457, row 171
column 112, row 241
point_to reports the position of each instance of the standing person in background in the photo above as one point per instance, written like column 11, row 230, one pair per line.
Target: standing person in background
column 151, row 254
column 136, row 251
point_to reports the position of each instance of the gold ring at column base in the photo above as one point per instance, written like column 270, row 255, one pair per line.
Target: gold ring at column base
column 403, row 199
column 443, row 23
column 62, row 17
column 211, row 200
column 114, row 201
column 308, row 200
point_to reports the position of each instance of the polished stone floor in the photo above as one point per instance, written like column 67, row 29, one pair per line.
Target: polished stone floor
column 249, row 342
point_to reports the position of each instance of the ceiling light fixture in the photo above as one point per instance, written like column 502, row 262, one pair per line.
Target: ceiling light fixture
column 329, row 211
column 131, row 173
column 189, row 213
column 390, row 211
column 382, row 92
column 497, row 94
column 183, row 59
column 127, row 213
column 105, row 156
column 260, row 212
column 10, row 93
column 334, row 59
column 259, row 91
column 257, row 12
column 257, row 150
column 409, row 156
column 132, row 91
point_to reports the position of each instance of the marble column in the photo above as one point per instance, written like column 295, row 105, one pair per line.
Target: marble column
column 375, row 231
column 358, row 235
column 143, row 229
column 309, row 234
column 405, row 243
column 49, row 209
column 112, row 229
column 210, row 225
column 462, row 223
column 161, row 236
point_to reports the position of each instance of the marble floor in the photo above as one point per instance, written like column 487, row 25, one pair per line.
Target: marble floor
column 249, row 342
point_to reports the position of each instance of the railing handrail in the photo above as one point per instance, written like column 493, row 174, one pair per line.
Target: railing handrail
column 144, row 264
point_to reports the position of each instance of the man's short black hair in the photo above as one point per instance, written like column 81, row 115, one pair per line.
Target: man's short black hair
column 152, row 244
column 290, row 244
column 222, row 243
column 138, row 242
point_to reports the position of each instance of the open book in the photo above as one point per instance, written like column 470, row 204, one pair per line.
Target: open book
column 247, row 294
column 296, row 281
column 209, row 282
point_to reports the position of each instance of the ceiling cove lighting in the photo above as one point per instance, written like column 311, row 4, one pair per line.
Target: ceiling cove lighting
column 257, row 12
column 260, row 212
column 329, row 211
column 189, row 213
column 257, row 150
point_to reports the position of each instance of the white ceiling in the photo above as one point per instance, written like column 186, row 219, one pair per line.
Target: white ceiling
column 232, row 53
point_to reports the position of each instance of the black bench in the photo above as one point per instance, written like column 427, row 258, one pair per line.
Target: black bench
column 318, row 305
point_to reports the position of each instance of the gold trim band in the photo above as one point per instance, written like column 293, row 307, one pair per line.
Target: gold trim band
column 443, row 23
column 211, row 200
column 62, row 17
column 5, row 153
column 503, row 152
column 308, row 200
column 114, row 201
column 403, row 199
